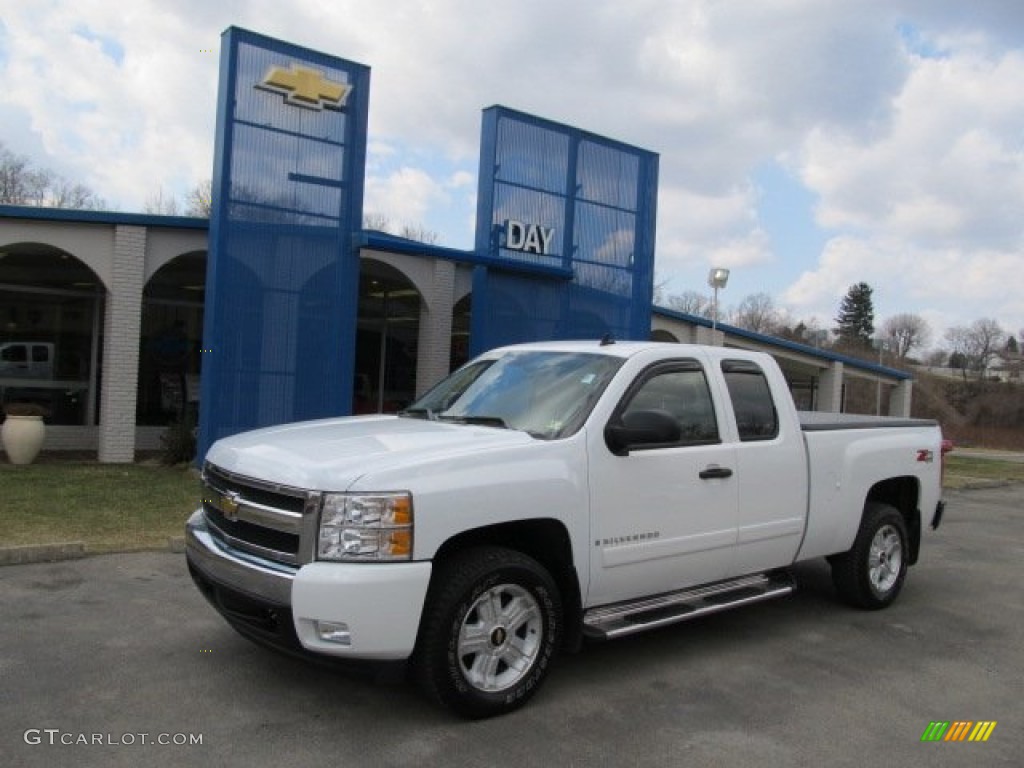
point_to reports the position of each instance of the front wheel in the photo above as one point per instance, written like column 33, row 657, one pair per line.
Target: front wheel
column 491, row 628
column 871, row 574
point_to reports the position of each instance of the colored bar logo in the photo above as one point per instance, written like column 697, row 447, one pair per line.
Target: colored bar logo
column 958, row 730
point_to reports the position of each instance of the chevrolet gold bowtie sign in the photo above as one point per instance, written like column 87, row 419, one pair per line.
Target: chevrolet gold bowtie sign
column 306, row 87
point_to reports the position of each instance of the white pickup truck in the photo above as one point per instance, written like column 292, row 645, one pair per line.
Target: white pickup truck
column 547, row 493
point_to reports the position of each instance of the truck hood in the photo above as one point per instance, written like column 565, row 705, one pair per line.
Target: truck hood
column 331, row 454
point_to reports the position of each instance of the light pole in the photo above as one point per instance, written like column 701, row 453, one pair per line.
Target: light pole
column 717, row 278
column 879, row 344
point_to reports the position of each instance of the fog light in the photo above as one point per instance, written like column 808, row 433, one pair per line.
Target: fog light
column 333, row 632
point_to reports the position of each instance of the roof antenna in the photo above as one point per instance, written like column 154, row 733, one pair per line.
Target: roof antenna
column 607, row 340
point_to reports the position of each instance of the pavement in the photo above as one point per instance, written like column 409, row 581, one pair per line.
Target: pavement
column 104, row 657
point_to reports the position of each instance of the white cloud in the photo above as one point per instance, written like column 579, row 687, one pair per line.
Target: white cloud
column 932, row 205
column 403, row 197
column 905, row 118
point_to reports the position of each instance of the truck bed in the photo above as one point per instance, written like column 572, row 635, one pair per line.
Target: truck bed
column 816, row 421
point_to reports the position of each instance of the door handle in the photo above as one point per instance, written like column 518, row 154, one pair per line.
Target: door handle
column 715, row 473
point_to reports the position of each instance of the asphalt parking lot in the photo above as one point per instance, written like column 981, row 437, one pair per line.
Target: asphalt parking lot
column 122, row 650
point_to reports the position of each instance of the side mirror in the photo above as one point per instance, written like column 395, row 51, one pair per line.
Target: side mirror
column 641, row 429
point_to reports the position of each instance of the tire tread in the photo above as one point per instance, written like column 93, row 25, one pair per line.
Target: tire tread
column 449, row 587
column 849, row 570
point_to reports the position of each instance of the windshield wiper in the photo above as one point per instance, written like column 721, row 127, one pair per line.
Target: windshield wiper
column 419, row 413
column 485, row 421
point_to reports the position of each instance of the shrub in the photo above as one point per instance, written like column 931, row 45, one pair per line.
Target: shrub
column 179, row 441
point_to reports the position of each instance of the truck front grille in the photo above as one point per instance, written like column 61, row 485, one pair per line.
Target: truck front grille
column 270, row 521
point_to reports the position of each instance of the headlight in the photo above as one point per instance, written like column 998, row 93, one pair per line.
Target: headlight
column 365, row 526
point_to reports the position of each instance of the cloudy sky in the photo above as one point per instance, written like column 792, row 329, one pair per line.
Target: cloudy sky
column 805, row 144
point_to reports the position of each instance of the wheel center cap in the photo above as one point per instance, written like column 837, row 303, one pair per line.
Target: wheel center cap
column 498, row 636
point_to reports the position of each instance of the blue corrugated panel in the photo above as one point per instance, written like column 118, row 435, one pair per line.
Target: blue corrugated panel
column 282, row 275
column 555, row 196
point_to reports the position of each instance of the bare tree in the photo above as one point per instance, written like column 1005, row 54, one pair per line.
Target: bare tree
column 988, row 337
column 419, row 233
column 809, row 331
column 757, row 313
column 161, row 203
column 906, row 332
column 66, row 194
column 975, row 345
column 690, row 303
column 199, row 200
column 21, row 184
column 377, row 222
column 937, row 358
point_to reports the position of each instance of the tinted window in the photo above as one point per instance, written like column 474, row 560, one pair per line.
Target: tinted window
column 684, row 394
column 15, row 354
column 756, row 417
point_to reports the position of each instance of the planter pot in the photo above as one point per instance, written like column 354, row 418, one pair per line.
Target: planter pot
column 22, row 438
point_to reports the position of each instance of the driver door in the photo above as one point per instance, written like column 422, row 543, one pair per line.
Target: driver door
column 664, row 515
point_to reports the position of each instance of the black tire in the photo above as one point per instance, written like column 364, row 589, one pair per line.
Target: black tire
column 488, row 607
column 872, row 573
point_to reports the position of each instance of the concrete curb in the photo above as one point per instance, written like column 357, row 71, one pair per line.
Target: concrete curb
column 42, row 553
column 68, row 550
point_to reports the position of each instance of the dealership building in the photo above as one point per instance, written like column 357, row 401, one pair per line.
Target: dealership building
column 281, row 307
column 121, row 297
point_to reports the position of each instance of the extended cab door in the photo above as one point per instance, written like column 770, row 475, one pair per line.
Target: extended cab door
column 771, row 468
column 663, row 513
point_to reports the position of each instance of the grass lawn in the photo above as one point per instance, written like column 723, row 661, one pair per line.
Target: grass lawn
column 962, row 471
column 110, row 507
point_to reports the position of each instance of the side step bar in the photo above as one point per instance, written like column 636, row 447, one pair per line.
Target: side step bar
column 620, row 619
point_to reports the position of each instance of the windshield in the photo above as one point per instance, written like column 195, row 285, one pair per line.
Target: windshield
column 547, row 394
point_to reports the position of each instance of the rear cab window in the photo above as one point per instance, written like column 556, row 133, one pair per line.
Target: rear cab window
column 756, row 415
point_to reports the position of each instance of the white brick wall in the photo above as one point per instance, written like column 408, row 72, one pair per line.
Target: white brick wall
column 121, row 330
column 435, row 339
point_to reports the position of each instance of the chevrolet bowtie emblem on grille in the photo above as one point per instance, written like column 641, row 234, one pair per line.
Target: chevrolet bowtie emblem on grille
column 305, row 87
column 229, row 504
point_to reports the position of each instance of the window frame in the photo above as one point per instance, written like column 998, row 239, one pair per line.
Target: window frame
column 749, row 368
column 654, row 370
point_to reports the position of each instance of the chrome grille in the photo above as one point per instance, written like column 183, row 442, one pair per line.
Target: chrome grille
column 268, row 520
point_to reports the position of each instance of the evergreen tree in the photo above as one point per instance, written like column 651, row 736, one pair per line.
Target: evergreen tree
column 855, row 323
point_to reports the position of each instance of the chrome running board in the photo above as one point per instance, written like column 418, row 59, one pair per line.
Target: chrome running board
column 627, row 618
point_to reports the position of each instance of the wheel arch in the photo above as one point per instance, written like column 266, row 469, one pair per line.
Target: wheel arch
column 547, row 541
column 904, row 494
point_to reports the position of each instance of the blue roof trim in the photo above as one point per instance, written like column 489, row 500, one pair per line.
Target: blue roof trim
column 385, row 242
column 101, row 217
column 793, row 346
column 382, row 241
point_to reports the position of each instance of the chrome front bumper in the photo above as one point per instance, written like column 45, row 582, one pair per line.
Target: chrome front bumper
column 256, row 578
column 279, row 605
